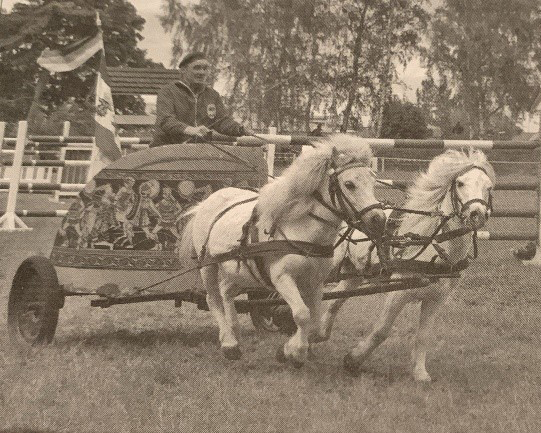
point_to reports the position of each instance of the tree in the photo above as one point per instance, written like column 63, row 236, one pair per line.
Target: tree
column 403, row 120
column 39, row 24
column 489, row 54
column 286, row 59
column 379, row 36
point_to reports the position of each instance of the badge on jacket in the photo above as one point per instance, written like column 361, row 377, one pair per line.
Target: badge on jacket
column 211, row 111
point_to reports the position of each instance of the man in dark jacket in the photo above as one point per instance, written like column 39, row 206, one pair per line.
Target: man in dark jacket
column 189, row 109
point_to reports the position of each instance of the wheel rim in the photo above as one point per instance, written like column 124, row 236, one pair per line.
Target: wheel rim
column 267, row 321
column 30, row 308
column 30, row 320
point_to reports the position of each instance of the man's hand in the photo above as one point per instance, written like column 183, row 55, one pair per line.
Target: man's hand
column 247, row 131
column 197, row 131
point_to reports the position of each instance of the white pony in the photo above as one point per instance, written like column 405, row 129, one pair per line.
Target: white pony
column 323, row 187
column 455, row 182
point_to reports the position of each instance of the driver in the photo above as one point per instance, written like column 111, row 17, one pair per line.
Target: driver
column 189, row 108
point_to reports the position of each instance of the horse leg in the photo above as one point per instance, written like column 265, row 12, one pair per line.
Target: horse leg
column 209, row 274
column 314, row 302
column 328, row 318
column 230, row 344
column 296, row 348
column 429, row 307
column 394, row 303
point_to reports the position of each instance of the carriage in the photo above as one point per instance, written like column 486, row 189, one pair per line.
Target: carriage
column 118, row 243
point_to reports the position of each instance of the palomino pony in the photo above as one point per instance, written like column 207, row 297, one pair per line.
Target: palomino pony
column 304, row 208
column 455, row 183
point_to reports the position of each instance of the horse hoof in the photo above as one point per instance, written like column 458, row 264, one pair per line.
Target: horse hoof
column 232, row 353
column 297, row 364
column 280, row 355
column 423, row 377
column 351, row 365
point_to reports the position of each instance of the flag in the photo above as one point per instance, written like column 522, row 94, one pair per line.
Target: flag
column 71, row 56
column 107, row 141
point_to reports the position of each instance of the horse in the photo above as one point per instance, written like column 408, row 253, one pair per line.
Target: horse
column 456, row 183
column 304, row 208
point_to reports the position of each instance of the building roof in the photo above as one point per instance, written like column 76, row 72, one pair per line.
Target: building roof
column 140, row 81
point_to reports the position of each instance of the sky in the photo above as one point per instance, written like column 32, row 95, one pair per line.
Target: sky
column 158, row 45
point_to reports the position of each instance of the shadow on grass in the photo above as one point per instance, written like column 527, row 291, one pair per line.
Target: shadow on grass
column 141, row 339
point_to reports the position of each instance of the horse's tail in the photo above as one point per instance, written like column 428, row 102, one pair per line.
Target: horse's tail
column 186, row 248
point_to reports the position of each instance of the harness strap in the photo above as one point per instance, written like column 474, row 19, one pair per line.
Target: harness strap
column 421, row 266
column 203, row 252
column 258, row 260
column 245, row 252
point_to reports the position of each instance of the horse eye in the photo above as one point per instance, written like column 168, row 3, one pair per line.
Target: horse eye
column 349, row 185
column 459, row 183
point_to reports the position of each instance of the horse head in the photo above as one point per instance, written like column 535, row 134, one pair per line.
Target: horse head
column 470, row 196
column 350, row 190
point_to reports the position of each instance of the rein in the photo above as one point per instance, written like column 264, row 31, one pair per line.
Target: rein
column 340, row 205
column 412, row 239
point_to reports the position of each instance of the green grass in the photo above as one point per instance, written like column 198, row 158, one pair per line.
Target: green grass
column 153, row 368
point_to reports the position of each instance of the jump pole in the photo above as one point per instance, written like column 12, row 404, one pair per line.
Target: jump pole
column 10, row 221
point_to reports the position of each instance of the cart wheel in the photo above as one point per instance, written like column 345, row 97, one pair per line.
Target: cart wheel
column 273, row 318
column 34, row 302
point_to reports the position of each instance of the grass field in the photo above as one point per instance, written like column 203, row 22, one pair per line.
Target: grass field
column 153, row 368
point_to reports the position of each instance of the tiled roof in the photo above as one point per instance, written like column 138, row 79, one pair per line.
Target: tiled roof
column 140, row 81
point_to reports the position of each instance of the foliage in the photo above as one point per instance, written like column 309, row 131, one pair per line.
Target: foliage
column 39, row 24
column 403, row 120
column 487, row 53
column 288, row 59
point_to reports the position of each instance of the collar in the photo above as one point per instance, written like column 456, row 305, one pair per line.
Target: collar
column 187, row 87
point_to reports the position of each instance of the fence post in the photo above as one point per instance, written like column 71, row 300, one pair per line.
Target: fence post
column 536, row 261
column 10, row 221
column 2, row 132
column 271, row 151
column 62, row 157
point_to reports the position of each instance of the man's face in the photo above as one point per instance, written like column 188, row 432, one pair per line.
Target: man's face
column 197, row 72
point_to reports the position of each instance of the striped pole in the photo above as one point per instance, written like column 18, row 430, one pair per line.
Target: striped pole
column 385, row 143
column 10, row 221
column 304, row 140
column 496, row 236
column 41, row 213
column 44, row 186
column 503, row 186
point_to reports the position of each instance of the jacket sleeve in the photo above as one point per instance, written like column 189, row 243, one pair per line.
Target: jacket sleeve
column 166, row 119
column 225, row 124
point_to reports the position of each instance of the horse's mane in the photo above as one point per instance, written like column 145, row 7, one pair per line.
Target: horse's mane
column 430, row 187
column 288, row 194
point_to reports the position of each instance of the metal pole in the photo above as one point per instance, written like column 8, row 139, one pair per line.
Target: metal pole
column 10, row 221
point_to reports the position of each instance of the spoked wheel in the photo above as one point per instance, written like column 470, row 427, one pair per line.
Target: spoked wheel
column 34, row 302
column 275, row 318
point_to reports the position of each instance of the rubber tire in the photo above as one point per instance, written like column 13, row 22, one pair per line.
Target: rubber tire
column 266, row 319
column 35, row 281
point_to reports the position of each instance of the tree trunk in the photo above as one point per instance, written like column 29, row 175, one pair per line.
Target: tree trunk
column 35, row 110
column 357, row 49
column 386, row 74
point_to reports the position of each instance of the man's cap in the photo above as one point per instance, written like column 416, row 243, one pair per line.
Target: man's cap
column 190, row 58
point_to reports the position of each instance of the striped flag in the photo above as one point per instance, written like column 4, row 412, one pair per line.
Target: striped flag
column 71, row 56
column 107, row 141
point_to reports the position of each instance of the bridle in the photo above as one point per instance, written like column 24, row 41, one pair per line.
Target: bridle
column 341, row 206
column 459, row 207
